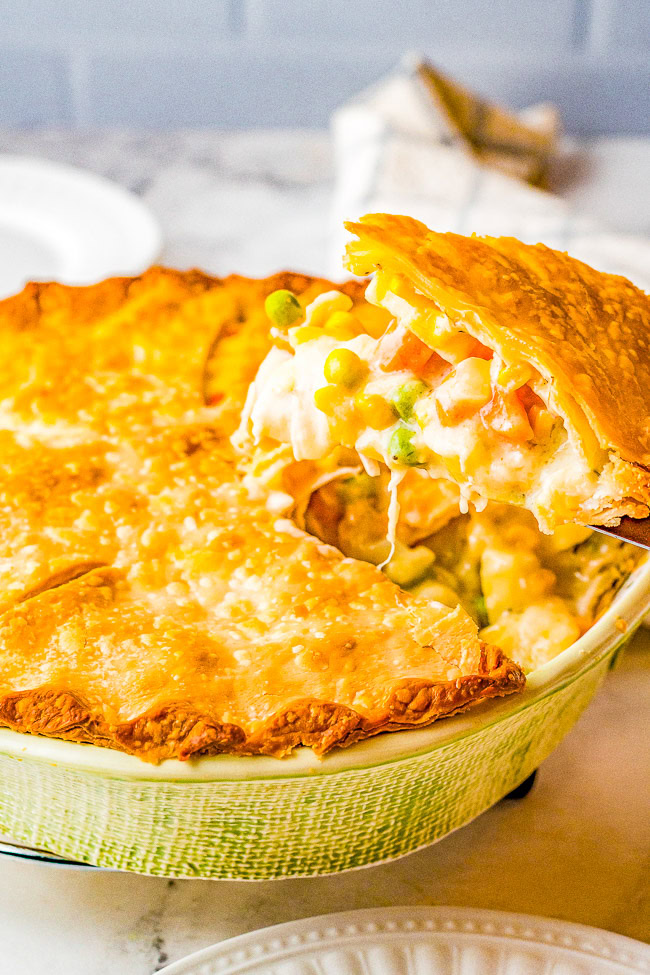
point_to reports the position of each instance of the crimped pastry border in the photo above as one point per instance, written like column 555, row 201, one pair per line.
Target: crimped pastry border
column 179, row 731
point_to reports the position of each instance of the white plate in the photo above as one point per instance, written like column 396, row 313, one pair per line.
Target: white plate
column 64, row 224
column 421, row 941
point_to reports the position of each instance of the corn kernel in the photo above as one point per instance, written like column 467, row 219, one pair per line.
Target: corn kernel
column 398, row 286
column 342, row 325
column 515, row 376
column 374, row 321
column 325, row 305
column 329, row 399
column 304, row 333
column 376, row 412
column 542, row 421
column 344, row 368
column 344, row 431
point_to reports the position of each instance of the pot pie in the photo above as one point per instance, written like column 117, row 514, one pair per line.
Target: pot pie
column 514, row 371
column 149, row 603
column 193, row 544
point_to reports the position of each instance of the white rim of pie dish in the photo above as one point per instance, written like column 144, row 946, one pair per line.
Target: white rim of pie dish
column 630, row 606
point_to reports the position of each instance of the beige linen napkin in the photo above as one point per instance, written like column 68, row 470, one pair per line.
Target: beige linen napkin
column 417, row 143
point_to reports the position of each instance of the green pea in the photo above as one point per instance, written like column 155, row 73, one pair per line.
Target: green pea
column 409, row 565
column 283, row 308
column 404, row 397
column 401, row 448
column 343, row 367
column 358, row 488
column 480, row 611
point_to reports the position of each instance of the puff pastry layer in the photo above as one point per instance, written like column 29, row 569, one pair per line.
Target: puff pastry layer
column 586, row 335
column 147, row 603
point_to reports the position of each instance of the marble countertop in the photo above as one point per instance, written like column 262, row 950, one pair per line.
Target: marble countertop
column 578, row 847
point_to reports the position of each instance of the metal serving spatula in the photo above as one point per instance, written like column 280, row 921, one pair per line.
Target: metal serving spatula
column 634, row 530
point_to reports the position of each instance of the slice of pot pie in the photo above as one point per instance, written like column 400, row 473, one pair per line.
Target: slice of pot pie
column 514, row 371
column 147, row 602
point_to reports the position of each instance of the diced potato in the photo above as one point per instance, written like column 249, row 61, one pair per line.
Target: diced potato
column 456, row 347
column 535, row 635
column 465, row 391
column 511, row 580
column 563, row 538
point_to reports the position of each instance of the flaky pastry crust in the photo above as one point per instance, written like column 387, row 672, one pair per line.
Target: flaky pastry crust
column 147, row 603
column 586, row 331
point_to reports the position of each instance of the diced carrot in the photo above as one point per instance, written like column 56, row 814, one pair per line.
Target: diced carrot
column 540, row 418
column 528, row 397
column 505, row 414
column 434, row 368
column 401, row 349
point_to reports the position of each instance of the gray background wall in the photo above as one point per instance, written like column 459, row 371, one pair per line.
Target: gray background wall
column 244, row 63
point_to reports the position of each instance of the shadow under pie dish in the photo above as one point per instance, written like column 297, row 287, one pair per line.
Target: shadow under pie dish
column 128, row 523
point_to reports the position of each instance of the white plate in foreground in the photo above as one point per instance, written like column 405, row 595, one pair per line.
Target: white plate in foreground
column 421, row 941
column 58, row 223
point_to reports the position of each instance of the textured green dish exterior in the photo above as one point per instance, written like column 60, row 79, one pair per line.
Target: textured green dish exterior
column 298, row 826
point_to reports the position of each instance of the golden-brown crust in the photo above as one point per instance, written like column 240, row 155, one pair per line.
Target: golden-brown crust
column 147, row 603
column 586, row 330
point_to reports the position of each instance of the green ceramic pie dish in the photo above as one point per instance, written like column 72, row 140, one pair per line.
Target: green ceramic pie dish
column 258, row 818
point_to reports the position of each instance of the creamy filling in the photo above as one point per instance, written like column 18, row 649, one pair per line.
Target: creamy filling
column 474, row 419
column 469, row 419
column 531, row 594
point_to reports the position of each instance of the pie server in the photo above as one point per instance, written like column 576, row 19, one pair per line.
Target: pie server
column 634, row 530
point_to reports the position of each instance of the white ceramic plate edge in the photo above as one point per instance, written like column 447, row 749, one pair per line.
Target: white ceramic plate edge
column 271, row 945
column 61, row 202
